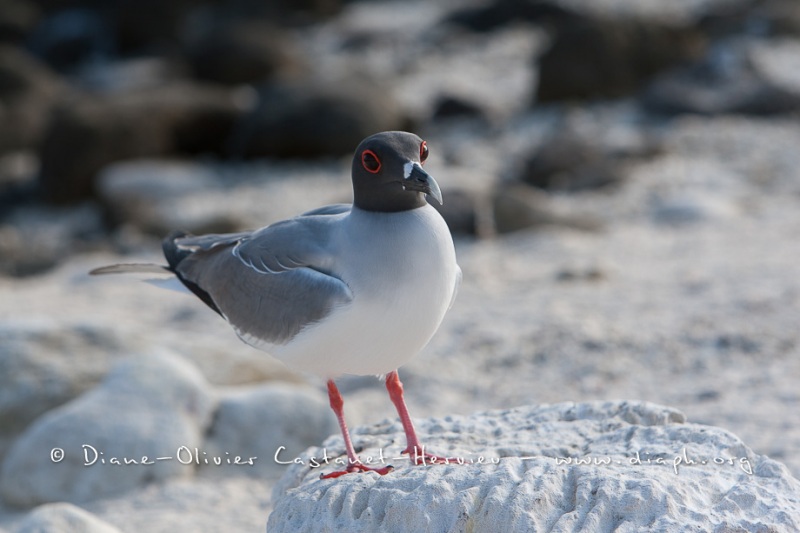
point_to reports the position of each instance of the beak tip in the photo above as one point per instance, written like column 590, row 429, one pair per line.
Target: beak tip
column 435, row 191
column 418, row 180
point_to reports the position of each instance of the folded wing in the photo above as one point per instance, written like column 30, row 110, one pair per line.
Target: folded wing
column 269, row 284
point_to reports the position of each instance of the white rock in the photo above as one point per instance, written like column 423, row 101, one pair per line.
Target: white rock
column 63, row 518
column 144, row 193
column 639, row 477
column 691, row 208
column 684, row 190
column 777, row 61
column 44, row 364
column 147, row 406
column 255, row 423
column 198, row 505
column 159, row 196
column 34, row 238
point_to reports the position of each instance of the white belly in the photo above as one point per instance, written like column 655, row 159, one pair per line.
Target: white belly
column 401, row 268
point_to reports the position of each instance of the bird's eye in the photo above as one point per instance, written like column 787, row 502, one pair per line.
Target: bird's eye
column 370, row 161
column 423, row 152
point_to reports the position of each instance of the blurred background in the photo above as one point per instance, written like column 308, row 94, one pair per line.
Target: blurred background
column 117, row 117
column 622, row 178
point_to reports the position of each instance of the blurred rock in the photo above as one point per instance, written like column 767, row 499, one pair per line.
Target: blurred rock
column 242, row 52
column 588, row 274
column 462, row 212
column 222, row 366
column 568, row 162
column 154, row 27
column 154, row 406
column 777, row 63
column 282, row 13
column 129, row 74
column 575, row 467
column 28, row 90
column 150, row 27
column 698, row 90
column 691, row 208
column 63, row 518
column 17, row 177
column 67, row 38
column 517, row 207
column 595, row 57
column 145, row 193
column 156, row 196
column 44, row 365
column 74, row 32
column 22, row 75
column 753, row 77
column 199, row 505
column 488, row 17
column 34, row 238
column 286, row 11
column 454, row 107
column 756, row 18
column 735, row 157
column 316, row 119
column 588, row 149
column 90, row 132
column 17, row 19
column 520, row 207
column 257, row 421
column 50, row 6
column 678, row 189
column 780, row 17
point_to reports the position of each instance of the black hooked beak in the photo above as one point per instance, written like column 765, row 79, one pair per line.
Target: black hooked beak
column 416, row 179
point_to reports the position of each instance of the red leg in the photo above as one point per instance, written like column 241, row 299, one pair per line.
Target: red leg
column 353, row 462
column 420, row 457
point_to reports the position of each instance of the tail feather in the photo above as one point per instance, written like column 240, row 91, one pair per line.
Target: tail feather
column 172, row 253
column 174, row 256
column 124, row 268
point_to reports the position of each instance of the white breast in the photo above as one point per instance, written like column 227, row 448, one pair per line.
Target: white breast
column 402, row 270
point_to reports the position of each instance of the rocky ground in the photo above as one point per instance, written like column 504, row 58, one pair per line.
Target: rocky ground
column 627, row 230
column 525, row 477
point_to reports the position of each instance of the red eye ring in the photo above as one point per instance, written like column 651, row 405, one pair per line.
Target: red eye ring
column 423, row 152
column 370, row 162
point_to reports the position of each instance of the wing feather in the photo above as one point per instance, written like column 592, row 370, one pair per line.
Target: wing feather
column 194, row 243
column 272, row 283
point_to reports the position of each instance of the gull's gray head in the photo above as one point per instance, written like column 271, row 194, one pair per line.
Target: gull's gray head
column 388, row 174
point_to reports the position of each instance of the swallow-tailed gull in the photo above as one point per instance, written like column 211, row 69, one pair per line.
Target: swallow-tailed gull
column 343, row 289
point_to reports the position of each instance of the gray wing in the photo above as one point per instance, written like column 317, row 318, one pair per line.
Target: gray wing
column 287, row 245
column 269, row 284
column 194, row 243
